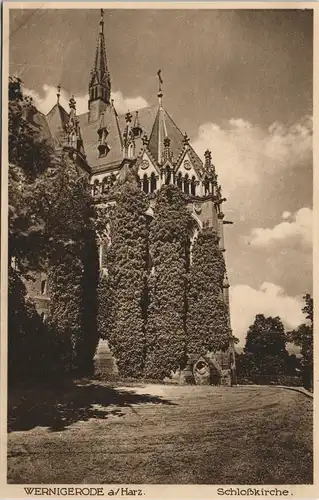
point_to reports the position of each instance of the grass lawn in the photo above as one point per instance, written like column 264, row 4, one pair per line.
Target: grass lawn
column 154, row 434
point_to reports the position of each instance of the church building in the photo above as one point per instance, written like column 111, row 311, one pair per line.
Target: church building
column 106, row 145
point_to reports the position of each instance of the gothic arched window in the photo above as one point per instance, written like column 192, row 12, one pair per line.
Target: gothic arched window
column 138, row 179
column 179, row 181
column 193, row 186
column 43, row 287
column 105, row 184
column 96, row 187
column 186, row 184
column 145, row 184
column 167, row 175
column 112, row 179
column 153, row 182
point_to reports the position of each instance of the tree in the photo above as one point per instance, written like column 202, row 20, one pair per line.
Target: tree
column 30, row 156
column 50, row 227
column 169, row 241
column 265, row 348
column 207, row 319
column 303, row 337
column 125, row 285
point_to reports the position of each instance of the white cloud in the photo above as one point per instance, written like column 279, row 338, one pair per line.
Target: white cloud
column 270, row 300
column 123, row 104
column 48, row 99
column 300, row 227
column 243, row 152
column 286, row 214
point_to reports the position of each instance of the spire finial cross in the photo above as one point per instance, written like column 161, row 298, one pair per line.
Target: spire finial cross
column 58, row 93
column 102, row 21
column 160, row 83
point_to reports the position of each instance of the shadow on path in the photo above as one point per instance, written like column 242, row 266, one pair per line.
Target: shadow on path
column 59, row 407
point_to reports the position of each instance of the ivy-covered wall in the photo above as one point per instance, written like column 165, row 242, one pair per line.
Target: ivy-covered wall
column 207, row 317
column 169, row 236
column 125, row 286
column 155, row 307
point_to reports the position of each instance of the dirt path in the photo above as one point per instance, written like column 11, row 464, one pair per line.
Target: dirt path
column 161, row 434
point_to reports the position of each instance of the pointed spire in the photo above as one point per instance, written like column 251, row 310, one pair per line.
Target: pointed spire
column 100, row 81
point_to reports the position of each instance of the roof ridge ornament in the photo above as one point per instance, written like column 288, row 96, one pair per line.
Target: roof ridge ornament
column 186, row 139
column 101, row 29
column 58, row 94
column 160, row 91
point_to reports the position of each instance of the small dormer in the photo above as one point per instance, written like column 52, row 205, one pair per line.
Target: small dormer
column 103, row 147
column 137, row 129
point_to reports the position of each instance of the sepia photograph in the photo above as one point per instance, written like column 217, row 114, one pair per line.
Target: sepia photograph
column 158, row 252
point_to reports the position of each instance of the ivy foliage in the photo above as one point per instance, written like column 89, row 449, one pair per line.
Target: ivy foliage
column 125, row 285
column 207, row 318
column 27, row 339
column 73, row 276
column 169, row 243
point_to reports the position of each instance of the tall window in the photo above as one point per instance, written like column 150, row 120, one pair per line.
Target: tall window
column 43, row 287
column 167, row 175
column 153, row 182
column 145, row 184
column 193, row 186
column 186, row 184
column 179, row 181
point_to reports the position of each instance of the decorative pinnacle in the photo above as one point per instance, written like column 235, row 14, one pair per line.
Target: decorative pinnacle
column 185, row 139
column 72, row 102
column 58, row 93
column 208, row 159
column 208, row 154
column 128, row 117
column 145, row 140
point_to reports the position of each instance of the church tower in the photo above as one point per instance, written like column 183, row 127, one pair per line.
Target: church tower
column 100, row 81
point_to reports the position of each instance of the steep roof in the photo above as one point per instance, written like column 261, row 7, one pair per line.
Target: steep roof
column 57, row 119
column 154, row 121
column 164, row 126
column 89, row 132
column 38, row 120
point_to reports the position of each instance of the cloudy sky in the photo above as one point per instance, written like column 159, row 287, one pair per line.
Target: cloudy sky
column 239, row 82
